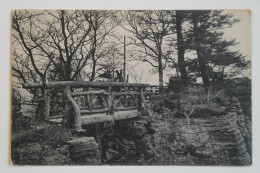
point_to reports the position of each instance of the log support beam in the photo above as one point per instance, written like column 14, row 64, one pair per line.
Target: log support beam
column 77, row 125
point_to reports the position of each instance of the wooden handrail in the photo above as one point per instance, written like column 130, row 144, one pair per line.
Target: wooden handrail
column 78, row 84
column 126, row 93
column 108, row 91
column 93, row 111
column 126, row 108
column 97, row 92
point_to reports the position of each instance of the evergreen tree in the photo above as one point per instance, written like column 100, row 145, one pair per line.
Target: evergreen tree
column 214, row 54
column 180, row 45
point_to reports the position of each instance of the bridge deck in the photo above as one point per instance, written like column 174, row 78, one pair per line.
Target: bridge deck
column 101, row 117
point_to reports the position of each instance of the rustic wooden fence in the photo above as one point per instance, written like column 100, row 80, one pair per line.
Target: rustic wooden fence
column 152, row 91
column 88, row 102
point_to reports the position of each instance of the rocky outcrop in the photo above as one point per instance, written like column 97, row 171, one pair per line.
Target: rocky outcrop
column 241, row 88
column 84, row 150
column 219, row 139
column 125, row 145
column 214, row 135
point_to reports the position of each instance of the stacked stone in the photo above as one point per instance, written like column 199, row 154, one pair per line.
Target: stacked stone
column 134, row 145
column 84, row 150
column 217, row 140
column 242, row 154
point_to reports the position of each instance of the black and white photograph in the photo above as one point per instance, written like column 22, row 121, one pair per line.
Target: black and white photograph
column 131, row 87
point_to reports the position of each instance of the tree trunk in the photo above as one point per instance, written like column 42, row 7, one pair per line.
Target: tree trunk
column 68, row 70
column 46, row 104
column 160, row 70
column 93, row 74
column 180, row 46
column 203, row 68
column 199, row 50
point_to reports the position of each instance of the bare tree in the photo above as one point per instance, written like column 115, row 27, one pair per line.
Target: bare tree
column 187, row 111
column 111, row 66
column 150, row 30
column 137, row 77
column 54, row 44
column 21, row 34
column 22, row 69
column 62, row 40
column 103, row 23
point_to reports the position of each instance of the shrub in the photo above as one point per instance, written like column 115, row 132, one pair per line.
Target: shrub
column 208, row 110
column 30, row 143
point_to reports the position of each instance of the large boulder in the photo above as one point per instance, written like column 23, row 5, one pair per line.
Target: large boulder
column 84, row 151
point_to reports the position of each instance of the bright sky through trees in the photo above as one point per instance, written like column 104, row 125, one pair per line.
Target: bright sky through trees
column 241, row 31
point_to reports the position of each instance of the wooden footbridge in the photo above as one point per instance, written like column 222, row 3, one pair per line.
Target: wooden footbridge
column 78, row 103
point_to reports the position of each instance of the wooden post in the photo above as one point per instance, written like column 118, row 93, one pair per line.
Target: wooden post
column 89, row 100
column 124, row 60
column 77, row 118
column 46, row 97
column 140, row 99
column 145, row 104
column 109, row 100
column 125, row 98
column 144, row 92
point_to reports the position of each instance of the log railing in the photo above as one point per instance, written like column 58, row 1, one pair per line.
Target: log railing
column 153, row 91
column 95, row 101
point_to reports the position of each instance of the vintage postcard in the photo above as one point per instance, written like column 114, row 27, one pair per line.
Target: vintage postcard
column 131, row 87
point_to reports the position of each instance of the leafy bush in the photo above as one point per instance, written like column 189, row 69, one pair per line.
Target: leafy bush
column 30, row 144
column 208, row 110
column 55, row 135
